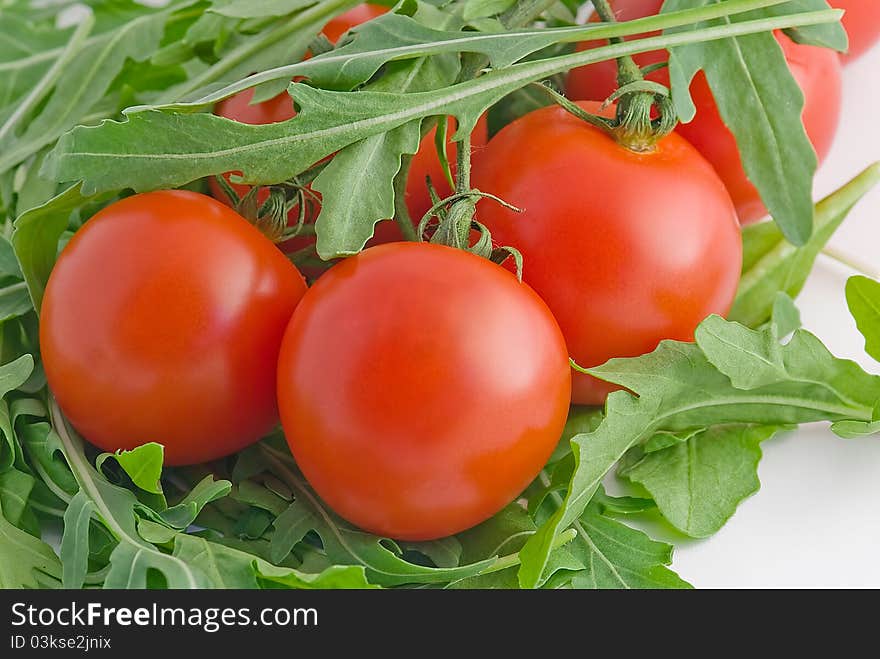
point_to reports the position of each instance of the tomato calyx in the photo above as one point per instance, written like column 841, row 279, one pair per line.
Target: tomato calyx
column 644, row 113
column 455, row 216
column 272, row 215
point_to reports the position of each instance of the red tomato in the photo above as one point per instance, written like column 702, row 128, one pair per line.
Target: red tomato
column 862, row 23
column 421, row 389
column 626, row 248
column 162, row 322
column 817, row 71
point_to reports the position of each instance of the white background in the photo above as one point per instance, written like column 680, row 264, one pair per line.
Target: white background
column 816, row 520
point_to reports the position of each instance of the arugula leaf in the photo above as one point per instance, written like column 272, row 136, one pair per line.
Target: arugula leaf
column 772, row 264
column 142, row 464
column 258, row 8
column 761, row 103
column 618, row 556
column 26, row 561
column 36, row 235
column 15, row 489
column 679, row 387
column 863, row 298
column 154, row 149
column 699, row 483
column 344, row 545
column 75, row 540
column 12, row 375
column 88, row 72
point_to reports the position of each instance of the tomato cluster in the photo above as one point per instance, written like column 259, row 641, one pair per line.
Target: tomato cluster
column 421, row 388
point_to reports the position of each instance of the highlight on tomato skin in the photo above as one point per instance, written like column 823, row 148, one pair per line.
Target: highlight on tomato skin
column 627, row 249
column 817, row 71
column 162, row 321
column 421, row 389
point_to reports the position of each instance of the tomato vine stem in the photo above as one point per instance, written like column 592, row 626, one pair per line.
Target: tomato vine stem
column 635, row 128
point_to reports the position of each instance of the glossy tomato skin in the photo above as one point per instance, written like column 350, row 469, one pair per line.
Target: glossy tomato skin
column 162, row 321
column 816, row 70
column 421, row 389
column 862, row 23
column 626, row 248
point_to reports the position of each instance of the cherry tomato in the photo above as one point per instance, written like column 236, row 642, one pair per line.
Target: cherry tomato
column 421, row 389
column 862, row 23
column 817, row 71
column 626, row 248
column 162, row 322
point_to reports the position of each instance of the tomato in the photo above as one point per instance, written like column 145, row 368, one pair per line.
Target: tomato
column 862, row 23
column 817, row 71
column 421, row 389
column 626, row 248
column 162, row 322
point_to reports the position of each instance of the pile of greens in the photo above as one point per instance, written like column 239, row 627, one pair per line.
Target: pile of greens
column 120, row 101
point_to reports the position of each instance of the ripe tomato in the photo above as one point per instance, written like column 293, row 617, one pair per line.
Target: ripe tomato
column 162, row 322
column 421, row 389
column 344, row 22
column 862, row 23
column 817, row 71
column 626, row 248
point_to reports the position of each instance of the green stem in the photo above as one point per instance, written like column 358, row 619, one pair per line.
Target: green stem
column 512, row 560
column 635, row 128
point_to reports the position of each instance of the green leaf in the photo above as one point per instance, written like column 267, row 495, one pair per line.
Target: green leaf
column 484, row 8
column 333, row 577
column 87, row 75
column 761, row 103
column 206, row 491
column 155, row 149
column 863, row 298
column 291, row 527
column 618, row 556
column 771, row 264
column 258, row 8
column 345, row 545
column 678, row 388
column 75, row 541
column 142, row 464
column 786, row 317
column 26, row 561
column 15, row 489
column 36, row 237
column 699, row 483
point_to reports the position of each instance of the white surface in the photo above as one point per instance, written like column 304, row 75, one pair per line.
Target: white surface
column 816, row 520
